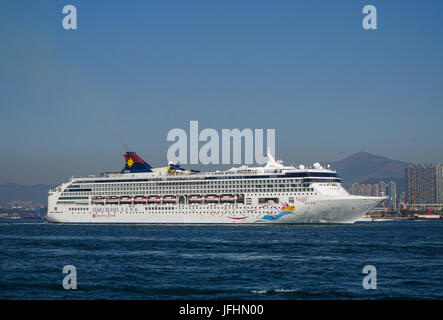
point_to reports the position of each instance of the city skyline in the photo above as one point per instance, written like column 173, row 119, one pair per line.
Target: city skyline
column 74, row 101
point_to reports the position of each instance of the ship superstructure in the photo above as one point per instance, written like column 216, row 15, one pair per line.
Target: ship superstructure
column 273, row 193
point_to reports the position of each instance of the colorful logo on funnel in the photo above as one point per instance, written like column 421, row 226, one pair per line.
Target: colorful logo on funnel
column 133, row 163
column 130, row 162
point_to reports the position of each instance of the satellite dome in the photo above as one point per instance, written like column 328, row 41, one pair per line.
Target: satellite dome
column 317, row 166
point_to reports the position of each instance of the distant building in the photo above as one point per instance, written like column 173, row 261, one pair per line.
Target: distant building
column 354, row 188
column 382, row 188
column 424, row 184
column 375, row 190
column 20, row 204
column 392, row 194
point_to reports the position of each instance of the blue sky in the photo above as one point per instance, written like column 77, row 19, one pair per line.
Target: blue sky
column 73, row 101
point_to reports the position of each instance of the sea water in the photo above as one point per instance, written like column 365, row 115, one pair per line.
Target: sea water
column 222, row 261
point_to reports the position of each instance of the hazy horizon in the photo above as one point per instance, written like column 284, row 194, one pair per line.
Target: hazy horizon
column 199, row 167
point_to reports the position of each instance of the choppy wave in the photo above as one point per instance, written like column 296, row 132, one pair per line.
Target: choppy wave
column 220, row 262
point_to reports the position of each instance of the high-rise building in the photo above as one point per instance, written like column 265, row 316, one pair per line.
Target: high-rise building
column 440, row 184
column 375, row 190
column 424, row 184
column 392, row 193
column 382, row 188
column 354, row 188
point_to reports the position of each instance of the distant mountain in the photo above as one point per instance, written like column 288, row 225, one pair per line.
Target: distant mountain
column 363, row 166
column 34, row 193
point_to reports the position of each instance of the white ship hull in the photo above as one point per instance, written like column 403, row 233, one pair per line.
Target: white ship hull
column 344, row 210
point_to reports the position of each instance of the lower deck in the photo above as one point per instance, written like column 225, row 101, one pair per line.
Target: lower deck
column 302, row 210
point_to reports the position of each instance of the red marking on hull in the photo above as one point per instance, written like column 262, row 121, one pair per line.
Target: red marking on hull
column 237, row 218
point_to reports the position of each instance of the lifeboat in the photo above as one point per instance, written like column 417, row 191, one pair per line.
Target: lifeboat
column 98, row 199
column 154, row 199
column 170, row 199
column 139, row 199
column 112, row 199
column 228, row 197
column 125, row 199
column 211, row 198
column 195, row 198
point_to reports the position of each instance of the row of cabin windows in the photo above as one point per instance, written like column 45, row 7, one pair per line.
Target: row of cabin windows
column 278, row 189
column 283, row 191
column 189, row 183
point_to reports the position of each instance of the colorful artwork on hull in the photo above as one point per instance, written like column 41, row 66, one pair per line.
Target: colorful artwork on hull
column 285, row 210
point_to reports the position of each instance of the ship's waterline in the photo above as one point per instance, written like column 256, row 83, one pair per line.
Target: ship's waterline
column 273, row 193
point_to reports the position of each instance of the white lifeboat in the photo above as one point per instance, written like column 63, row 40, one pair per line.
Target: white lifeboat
column 154, row 199
column 98, row 199
column 140, row 199
column 195, row 198
column 125, row 199
column 170, row 198
column 112, row 199
column 228, row 197
column 211, row 197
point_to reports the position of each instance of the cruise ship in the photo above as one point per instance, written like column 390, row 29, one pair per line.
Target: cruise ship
column 273, row 193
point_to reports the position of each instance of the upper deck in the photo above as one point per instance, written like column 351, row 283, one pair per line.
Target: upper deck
column 272, row 169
